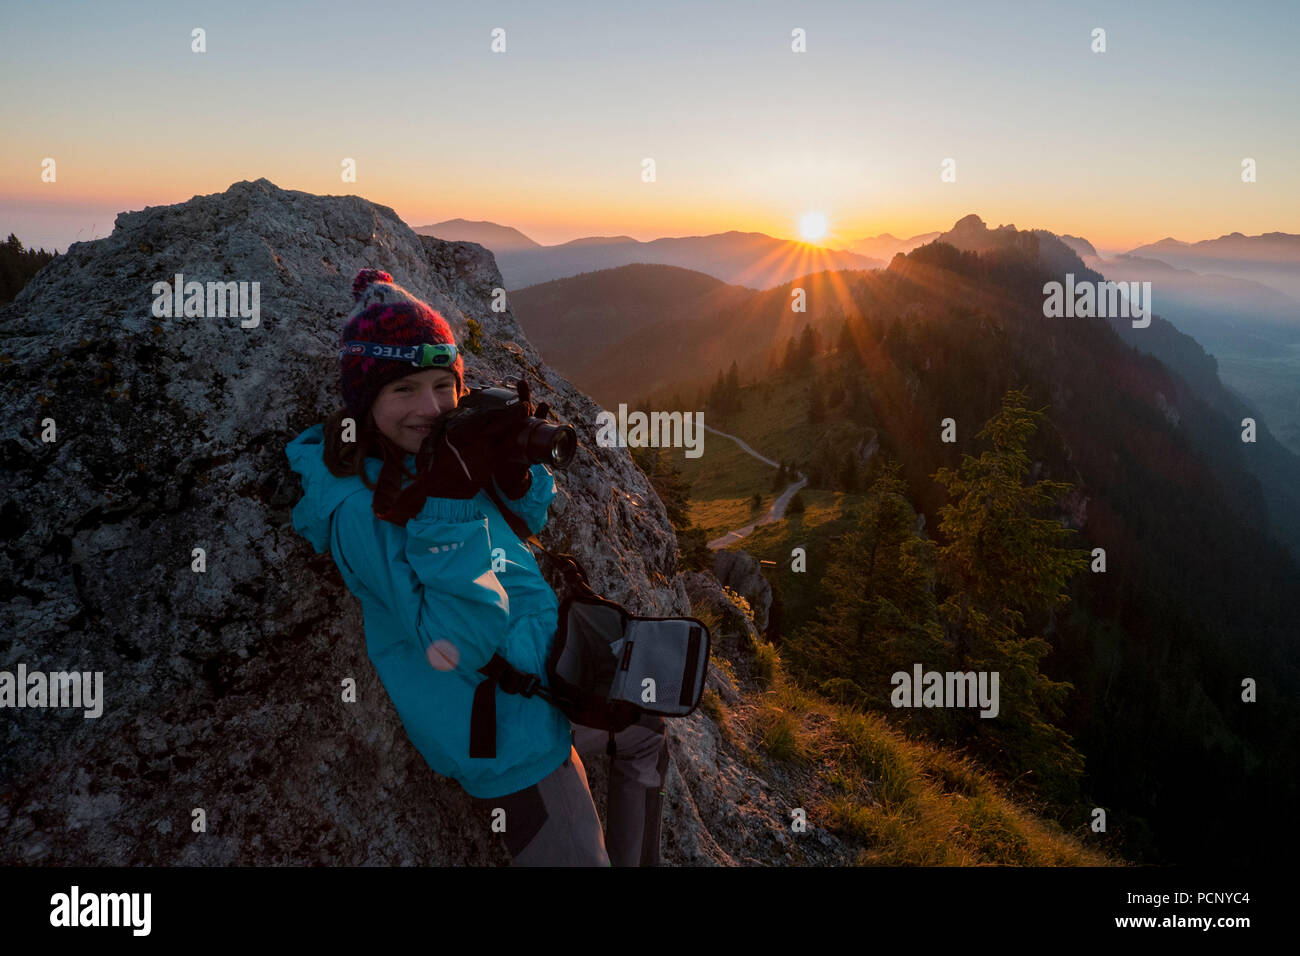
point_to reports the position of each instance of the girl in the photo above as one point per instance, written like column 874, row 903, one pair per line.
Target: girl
column 446, row 590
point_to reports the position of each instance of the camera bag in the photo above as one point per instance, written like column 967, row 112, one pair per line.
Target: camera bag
column 606, row 667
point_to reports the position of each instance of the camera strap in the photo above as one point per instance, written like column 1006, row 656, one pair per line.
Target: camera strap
column 575, row 576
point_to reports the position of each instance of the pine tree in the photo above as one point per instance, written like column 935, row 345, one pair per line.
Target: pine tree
column 816, row 407
column 1002, row 562
column 18, row 265
column 807, row 348
column 780, row 480
column 849, row 472
column 670, row 485
column 717, row 396
column 880, row 614
column 791, row 361
column 834, row 394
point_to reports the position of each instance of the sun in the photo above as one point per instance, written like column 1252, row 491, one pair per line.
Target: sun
column 812, row 226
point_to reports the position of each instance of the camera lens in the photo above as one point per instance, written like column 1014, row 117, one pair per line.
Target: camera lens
column 549, row 444
column 563, row 446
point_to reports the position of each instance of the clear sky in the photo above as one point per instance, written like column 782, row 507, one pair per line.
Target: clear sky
column 1123, row 147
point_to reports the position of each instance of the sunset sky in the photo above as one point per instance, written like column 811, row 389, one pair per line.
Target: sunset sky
column 1123, row 147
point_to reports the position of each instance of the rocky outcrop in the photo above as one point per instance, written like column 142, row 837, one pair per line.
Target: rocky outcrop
column 740, row 571
column 222, row 687
column 744, row 815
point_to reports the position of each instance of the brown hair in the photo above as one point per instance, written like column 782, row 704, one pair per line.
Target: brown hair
column 346, row 458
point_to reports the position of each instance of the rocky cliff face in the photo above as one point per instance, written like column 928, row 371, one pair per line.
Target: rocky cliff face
column 222, row 688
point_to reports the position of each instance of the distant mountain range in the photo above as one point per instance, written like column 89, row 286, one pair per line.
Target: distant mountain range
column 759, row 261
column 1213, row 308
column 749, row 259
column 1230, row 293
column 487, row 234
column 1272, row 258
column 626, row 333
column 886, row 246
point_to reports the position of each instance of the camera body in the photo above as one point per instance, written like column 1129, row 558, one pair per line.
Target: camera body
column 499, row 407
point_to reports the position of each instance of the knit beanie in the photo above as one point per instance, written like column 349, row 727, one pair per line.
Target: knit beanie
column 386, row 314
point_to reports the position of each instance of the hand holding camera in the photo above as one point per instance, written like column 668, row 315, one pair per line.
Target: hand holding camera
column 495, row 432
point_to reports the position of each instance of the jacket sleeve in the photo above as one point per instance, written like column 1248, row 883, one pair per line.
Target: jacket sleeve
column 435, row 577
column 534, row 506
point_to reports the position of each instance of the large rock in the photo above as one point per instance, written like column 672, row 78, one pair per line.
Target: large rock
column 222, row 688
column 740, row 571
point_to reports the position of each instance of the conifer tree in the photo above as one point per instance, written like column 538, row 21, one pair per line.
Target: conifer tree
column 780, row 480
column 791, row 361
column 807, row 348
column 816, row 406
column 846, row 346
column 849, row 472
column 674, row 490
column 1003, row 560
column 880, row 614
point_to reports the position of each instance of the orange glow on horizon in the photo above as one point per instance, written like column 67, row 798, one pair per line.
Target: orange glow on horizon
column 558, row 218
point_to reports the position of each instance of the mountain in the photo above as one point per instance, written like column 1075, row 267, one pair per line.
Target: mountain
column 488, row 234
column 627, row 331
column 1272, row 258
column 1082, row 247
column 697, row 338
column 1215, row 309
column 740, row 258
column 886, row 246
column 1251, row 329
column 1279, row 247
column 1038, row 246
column 1274, row 465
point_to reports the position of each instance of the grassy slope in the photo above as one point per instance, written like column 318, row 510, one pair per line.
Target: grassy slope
column 898, row 801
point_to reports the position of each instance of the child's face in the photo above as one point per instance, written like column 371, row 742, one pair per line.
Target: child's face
column 405, row 409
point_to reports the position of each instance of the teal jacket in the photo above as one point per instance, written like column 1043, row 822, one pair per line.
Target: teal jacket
column 456, row 573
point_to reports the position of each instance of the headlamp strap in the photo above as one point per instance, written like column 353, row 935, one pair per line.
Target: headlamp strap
column 426, row 355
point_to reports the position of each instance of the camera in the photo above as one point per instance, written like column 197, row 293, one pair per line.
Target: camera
column 536, row 441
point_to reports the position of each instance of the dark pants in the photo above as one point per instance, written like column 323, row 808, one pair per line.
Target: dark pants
column 554, row 822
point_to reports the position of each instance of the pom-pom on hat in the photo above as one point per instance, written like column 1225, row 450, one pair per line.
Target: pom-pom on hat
column 386, row 314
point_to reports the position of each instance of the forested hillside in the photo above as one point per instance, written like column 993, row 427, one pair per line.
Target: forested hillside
column 1155, row 647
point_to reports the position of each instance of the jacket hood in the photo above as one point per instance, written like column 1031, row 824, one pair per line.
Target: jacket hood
column 323, row 491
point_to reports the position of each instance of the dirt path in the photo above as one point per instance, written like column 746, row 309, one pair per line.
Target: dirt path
column 775, row 513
